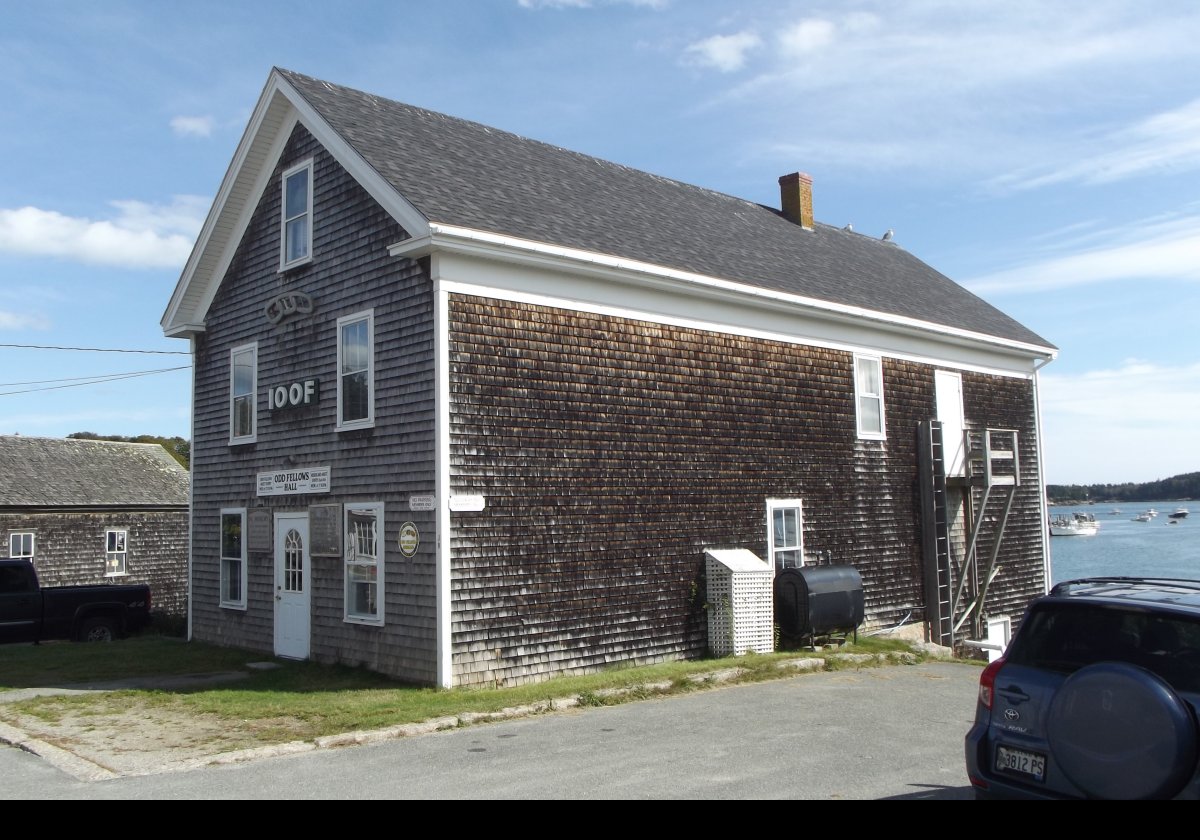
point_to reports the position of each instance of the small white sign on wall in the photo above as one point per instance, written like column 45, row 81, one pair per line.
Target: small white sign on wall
column 421, row 502
column 466, row 503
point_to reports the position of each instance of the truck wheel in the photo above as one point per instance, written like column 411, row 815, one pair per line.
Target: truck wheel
column 98, row 628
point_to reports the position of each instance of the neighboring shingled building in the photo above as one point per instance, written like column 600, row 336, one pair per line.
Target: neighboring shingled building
column 91, row 511
column 470, row 408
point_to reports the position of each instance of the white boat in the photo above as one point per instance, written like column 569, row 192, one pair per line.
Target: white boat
column 1142, row 517
column 1077, row 525
column 1180, row 513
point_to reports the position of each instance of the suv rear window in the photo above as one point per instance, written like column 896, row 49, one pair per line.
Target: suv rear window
column 1065, row 637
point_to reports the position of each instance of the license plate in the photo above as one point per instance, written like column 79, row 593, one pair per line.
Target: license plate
column 1019, row 761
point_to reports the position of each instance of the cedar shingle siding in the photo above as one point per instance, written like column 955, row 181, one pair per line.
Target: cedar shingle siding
column 350, row 272
column 613, row 452
column 632, row 367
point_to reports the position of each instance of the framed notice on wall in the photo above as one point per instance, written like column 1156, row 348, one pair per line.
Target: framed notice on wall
column 258, row 526
column 325, row 530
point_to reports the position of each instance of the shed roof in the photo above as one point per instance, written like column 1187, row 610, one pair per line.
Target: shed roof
column 66, row 472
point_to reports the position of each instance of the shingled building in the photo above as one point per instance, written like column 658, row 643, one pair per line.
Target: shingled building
column 471, row 409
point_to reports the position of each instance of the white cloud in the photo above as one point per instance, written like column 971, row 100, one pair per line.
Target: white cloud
column 22, row 321
column 805, row 37
column 1169, row 250
column 1163, row 142
column 192, row 126
column 1081, row 421
column 141, row 236
column 724, row 52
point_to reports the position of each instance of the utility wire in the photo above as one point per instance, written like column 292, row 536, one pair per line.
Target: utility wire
column 82, row 378
column 99, row 380
column 96, row 349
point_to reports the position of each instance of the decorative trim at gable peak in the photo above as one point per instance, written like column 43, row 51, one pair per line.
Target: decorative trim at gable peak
column 279, row 110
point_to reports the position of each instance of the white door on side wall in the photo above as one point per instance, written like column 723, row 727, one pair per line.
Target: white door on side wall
column 292, row 586
column 949, row 398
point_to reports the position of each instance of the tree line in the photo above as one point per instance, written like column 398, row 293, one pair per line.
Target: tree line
column 1185, row 486
column 179, row 448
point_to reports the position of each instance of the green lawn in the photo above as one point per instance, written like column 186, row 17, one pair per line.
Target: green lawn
column 305, row 700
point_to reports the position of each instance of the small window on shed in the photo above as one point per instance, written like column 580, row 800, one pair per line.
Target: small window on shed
column 115, row 553
column 20, row 545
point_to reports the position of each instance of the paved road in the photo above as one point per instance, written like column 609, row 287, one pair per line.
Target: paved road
column 893, row 732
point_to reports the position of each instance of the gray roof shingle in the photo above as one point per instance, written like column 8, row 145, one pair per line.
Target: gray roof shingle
column 50, row 472
column 467, row 174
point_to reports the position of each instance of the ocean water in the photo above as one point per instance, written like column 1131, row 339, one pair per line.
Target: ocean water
column 1127, row 548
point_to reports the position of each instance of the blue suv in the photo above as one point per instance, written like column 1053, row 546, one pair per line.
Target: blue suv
column 1095, row 697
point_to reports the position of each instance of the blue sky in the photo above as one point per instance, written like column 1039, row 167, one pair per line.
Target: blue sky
column 1046, row 155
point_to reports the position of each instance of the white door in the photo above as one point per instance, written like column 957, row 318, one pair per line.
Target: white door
column 292, row 586
column 947, row 388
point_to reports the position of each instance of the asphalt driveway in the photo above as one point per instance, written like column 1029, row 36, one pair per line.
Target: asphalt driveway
column 893, row 732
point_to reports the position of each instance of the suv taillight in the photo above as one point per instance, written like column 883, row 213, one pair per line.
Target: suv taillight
column 987, row 682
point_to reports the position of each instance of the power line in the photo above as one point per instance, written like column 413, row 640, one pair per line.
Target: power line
column 96, row 349
column 98, row 376
column 100, row 380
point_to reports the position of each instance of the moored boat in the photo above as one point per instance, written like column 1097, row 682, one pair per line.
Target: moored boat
column 1078, row 525
column 1180, row 513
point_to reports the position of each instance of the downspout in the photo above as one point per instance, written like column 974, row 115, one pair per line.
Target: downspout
column 1043, row 514
column 191, row 483
column 441, row 466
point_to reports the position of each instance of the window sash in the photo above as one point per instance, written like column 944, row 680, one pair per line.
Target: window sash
column 785, row 533
column 868, row 386
column 116, row 552
column 363, row 563
column 20, row 545
column 233, row 558
column 243, row 386
column 356, row 368
column 297, row 215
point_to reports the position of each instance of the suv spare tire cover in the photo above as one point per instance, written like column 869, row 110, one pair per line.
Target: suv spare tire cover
column 1118, row 731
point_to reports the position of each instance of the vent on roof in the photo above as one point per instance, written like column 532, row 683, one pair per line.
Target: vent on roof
column 795, row 193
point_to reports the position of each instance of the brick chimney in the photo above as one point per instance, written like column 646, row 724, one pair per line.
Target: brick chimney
column 795, row 192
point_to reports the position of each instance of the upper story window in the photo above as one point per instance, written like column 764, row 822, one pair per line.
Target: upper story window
column 785, row 533
column 364, row 563
column 243, row 386
column 296, row 245
column 233, row 558
column 115, row 552
column 356, row 371
column 868, row 388
column 20, row 545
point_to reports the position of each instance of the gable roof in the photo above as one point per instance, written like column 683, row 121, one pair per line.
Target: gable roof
column 65, row 472
column 430, row 169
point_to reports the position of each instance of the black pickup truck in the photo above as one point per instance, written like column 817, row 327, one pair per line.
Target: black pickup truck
column 96, row 613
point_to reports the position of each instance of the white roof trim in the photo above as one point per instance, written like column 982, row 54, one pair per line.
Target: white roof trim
column 454, row 239
column 279, row 109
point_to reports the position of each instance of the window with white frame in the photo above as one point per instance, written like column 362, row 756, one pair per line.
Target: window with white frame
column 364, row 549
column 296, row 244
column 20, row 544
column 868, row 389
column 233, row 558
column 785, row 533
column 116, row 552
column 356, row 370
column 243, row 387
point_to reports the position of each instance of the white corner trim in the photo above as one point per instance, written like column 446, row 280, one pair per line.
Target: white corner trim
column 441, row 356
